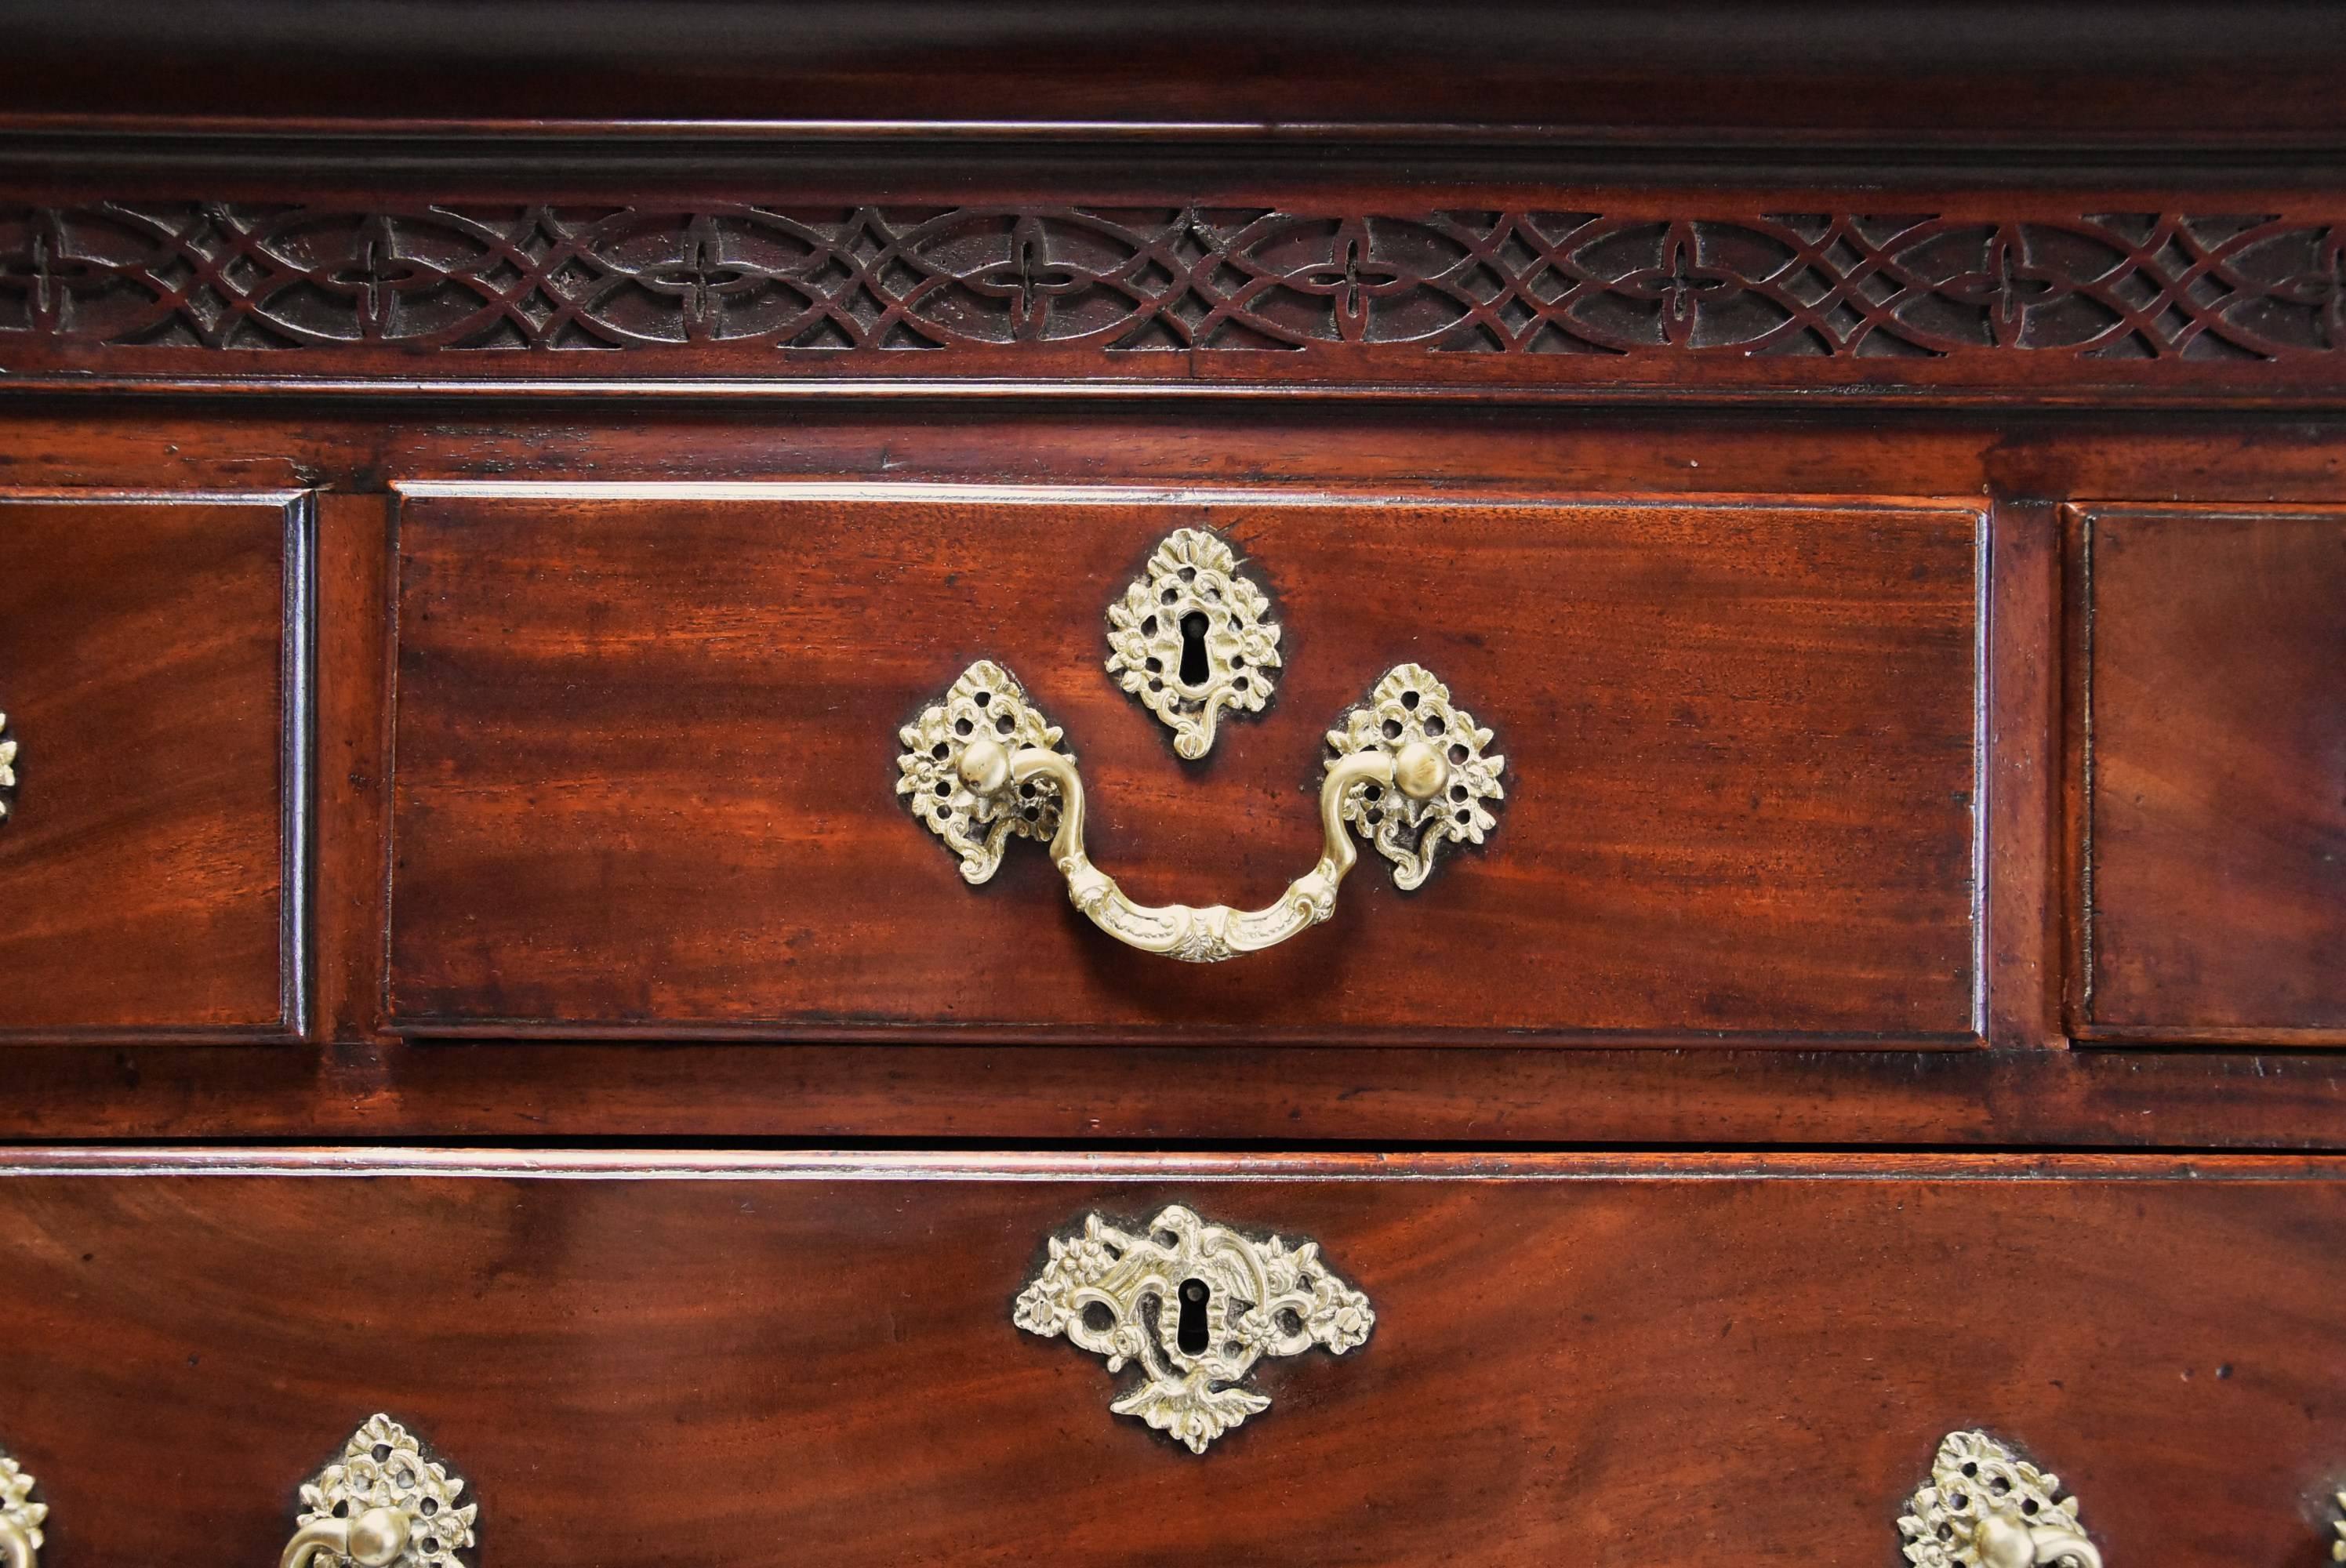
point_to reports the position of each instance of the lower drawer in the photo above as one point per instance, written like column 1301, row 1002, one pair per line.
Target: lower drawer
column 722, row 1360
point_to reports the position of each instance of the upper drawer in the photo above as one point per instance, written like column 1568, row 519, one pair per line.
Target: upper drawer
column 152, row 685
column 740, row 1360
column 2214, row 752
column 648, row 740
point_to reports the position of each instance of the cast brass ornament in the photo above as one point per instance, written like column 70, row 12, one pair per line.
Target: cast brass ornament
column 1410, row 712
column 1986, row 1507
column 7, row 770
column 1196, row 1306
column 2337, row 1549
column 1407, row 772
column 1193, row 635
column 986, row 703
column 384, row 1505
column 20, row 1516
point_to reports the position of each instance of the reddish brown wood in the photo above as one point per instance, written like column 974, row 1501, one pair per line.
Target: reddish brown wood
column 1693, row 449
column 1150, row 283
column 1693, row 452
column 1580, row 370
column 2021, row 902
column 2214, row 750
column 364, row 1091
column 353, row 768
column 767, row 1360
column 149, row 676
column 647, row 741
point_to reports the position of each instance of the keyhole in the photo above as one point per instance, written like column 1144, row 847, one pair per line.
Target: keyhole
column 1193, row 648
column 1191, row 1335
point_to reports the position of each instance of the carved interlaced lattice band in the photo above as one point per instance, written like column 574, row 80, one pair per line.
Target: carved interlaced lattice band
column 253, row 276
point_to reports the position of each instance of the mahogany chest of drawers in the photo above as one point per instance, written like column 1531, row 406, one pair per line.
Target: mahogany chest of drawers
column 1354, row 787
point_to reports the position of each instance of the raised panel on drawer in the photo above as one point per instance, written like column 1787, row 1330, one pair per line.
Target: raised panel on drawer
column 641, row 1360
column 2214, row 751
column 646, row 743
column 151, row 669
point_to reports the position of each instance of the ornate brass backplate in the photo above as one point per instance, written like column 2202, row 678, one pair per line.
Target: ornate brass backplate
column 1410, row 709
column 1192, row 636
column 20, row 1516
column 1986, row 1507
column 2338, row 1550
column 382, row 1505
column 986, row 705
column 1196, row 1306
column 7, row 770
column 1407, row 771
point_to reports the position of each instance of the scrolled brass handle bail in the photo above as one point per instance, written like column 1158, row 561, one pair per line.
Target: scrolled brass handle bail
column 1407, row 770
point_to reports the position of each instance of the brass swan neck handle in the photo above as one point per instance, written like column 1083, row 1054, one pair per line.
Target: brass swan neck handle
column 1407, row 770
column 16, row 1545
column 1214, row 931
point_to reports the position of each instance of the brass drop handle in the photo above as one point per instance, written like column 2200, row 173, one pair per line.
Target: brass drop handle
column 382, row 1503
column 1407, row 770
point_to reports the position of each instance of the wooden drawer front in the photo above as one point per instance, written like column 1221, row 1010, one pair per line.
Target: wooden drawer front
column 2215, row 761
column 647, row 739
column 151, row 681
column 808, row 1360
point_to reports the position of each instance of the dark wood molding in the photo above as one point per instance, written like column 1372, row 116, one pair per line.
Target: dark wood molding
column 1002, row 1096
column 2031, row 297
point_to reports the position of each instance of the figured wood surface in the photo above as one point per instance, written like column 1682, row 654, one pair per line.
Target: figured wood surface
column 646, row 764
column 2216, row 758
column 361, row 1086
column 748, row 1361
column 145, row 671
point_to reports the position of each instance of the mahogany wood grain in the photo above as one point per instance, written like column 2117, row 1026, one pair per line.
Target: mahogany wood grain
column 641, row 1360
column 2240, row 1098
column 2023, row 914
column 364, row 1091
column 645, row 763
column 352, row 771
column 152, row 663
column 2215, row 750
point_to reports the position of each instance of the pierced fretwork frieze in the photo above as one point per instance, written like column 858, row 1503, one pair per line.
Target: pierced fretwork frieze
column 476, row 278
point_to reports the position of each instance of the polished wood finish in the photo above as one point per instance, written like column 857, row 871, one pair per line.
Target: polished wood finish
column 645, row 757
column 152, row 662
column 1126, row 282
column 2214, row 750
column 366, row 1086
column 500, row 474
column 656, row 1360
column 1710, row 77
column 1015, row 1097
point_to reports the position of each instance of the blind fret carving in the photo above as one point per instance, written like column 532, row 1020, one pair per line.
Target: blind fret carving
column 476, row 279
